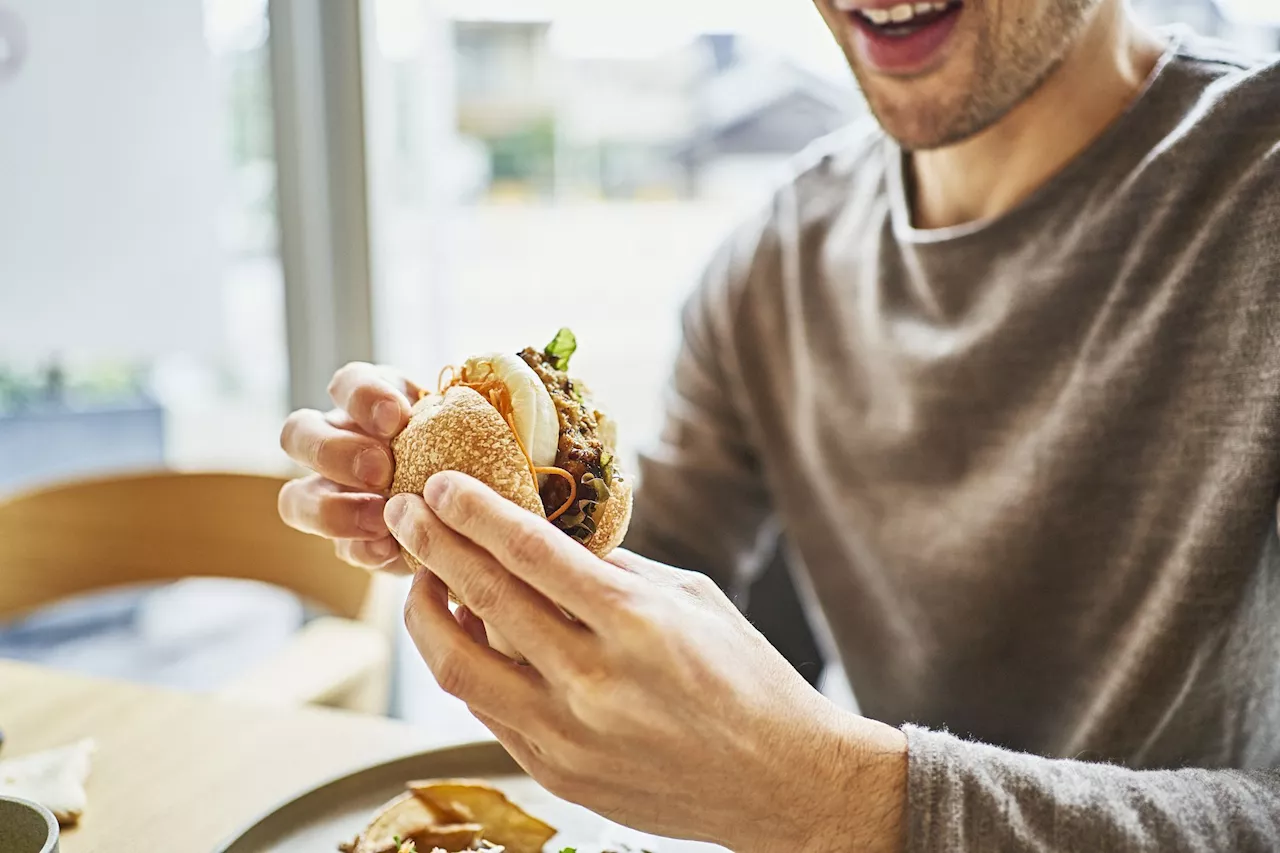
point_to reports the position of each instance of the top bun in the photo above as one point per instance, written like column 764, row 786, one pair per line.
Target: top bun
column 461, row 431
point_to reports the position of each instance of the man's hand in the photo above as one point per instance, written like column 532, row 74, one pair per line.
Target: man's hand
column 349, row 450
column 658, row 706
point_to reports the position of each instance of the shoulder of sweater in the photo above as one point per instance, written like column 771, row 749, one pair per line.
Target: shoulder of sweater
column 1216, row 123
column 746, row 271
column 818, row 185
column 1215, row 58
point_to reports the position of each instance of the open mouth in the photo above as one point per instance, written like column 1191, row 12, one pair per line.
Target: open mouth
column 901, row 37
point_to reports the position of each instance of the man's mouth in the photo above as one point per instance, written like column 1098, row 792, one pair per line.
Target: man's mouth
column 904, row 37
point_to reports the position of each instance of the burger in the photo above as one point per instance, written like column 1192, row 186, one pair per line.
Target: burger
column 520, row 424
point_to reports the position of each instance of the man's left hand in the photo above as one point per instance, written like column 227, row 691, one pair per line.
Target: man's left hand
column 658, row 705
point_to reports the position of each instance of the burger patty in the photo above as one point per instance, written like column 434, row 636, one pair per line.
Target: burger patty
column 579, row 450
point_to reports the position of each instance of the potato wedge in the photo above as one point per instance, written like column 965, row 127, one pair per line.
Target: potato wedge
column 472, row 801
column 404, row 817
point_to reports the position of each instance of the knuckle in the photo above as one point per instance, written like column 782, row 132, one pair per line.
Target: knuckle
column 528, row 547
column 486, row 594
column 465, row 507
column 698, row 585
column 333, row 514
column 342, row 374
column 321, row 449
column 413, row 608
column 589, row 693
column 451, row 672
column 641, row 628
column 363, row 399
column 334, row 452
column 621, row 598
column 329, row 512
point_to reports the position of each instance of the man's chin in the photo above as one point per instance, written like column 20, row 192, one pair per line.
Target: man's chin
column 921, row 126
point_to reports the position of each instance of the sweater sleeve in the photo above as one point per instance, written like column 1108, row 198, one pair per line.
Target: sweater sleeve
column 702, row 502
column 971, row 796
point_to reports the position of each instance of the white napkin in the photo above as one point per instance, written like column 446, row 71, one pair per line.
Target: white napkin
column 54, row 778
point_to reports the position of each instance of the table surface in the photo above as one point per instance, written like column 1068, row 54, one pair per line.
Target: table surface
column 183, row 772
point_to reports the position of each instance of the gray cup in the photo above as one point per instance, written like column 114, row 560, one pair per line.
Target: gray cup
column 26, row 827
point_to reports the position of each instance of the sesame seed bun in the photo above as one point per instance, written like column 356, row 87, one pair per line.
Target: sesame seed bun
column 461, row 431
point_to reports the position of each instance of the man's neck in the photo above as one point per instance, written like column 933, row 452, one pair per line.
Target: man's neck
column 990, row 173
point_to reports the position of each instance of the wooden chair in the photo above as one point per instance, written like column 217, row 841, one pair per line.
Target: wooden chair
column 93, row 535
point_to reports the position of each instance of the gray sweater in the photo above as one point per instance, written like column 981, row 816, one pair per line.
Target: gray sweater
column 1027, row 469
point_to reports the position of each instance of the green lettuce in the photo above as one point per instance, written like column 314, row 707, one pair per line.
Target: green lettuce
column 561, row 349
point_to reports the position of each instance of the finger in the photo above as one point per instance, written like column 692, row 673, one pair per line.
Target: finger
column 528, row 547
column 529, row 620
column 321, row 507
column 337, row 454
column 472, row 624
column 479, row 676
column 383, row 554
column 376, row 398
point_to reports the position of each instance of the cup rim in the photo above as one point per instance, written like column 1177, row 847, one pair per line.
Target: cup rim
column 51, row 822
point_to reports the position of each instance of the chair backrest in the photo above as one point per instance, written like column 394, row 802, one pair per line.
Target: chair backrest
column 93, row 535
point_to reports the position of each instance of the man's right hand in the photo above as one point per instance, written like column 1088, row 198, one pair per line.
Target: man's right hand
column 349, row 451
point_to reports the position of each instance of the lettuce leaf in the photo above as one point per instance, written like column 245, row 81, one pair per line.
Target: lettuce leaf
column 561, row 349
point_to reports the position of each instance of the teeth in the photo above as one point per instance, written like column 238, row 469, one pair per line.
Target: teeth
column 899, row 14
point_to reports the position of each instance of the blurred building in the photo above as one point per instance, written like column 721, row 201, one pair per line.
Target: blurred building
column 707, row 111
column 1249, row 23
column 755, row 113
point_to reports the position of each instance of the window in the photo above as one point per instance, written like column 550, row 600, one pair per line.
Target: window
column 141, row 313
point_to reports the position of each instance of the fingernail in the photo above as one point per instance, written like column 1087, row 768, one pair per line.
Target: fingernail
column 436, row 493
column 386, row 418
column 373, row 467
column 395, row 511
column 385, row 548
column 371, row 518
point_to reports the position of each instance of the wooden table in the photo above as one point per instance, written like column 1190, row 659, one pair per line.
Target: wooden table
column 179, row 772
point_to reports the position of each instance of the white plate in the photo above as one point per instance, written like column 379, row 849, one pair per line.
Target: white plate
column 338, row 810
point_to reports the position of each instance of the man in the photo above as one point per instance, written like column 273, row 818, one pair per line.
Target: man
column 1005, row 372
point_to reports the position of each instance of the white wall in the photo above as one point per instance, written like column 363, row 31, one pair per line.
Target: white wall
column 110, row 174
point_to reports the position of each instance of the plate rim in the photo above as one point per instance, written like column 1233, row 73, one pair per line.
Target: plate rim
column 481, row 748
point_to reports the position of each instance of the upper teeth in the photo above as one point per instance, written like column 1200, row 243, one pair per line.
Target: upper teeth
column 899, row 14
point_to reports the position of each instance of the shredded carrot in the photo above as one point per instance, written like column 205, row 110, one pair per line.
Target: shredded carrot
column 573, row 490
column 496, row 393
column 453, row 378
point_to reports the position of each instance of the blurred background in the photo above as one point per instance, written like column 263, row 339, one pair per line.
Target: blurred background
column 206, row 207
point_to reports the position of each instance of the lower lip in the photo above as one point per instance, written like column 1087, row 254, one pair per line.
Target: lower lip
column 904, row 54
